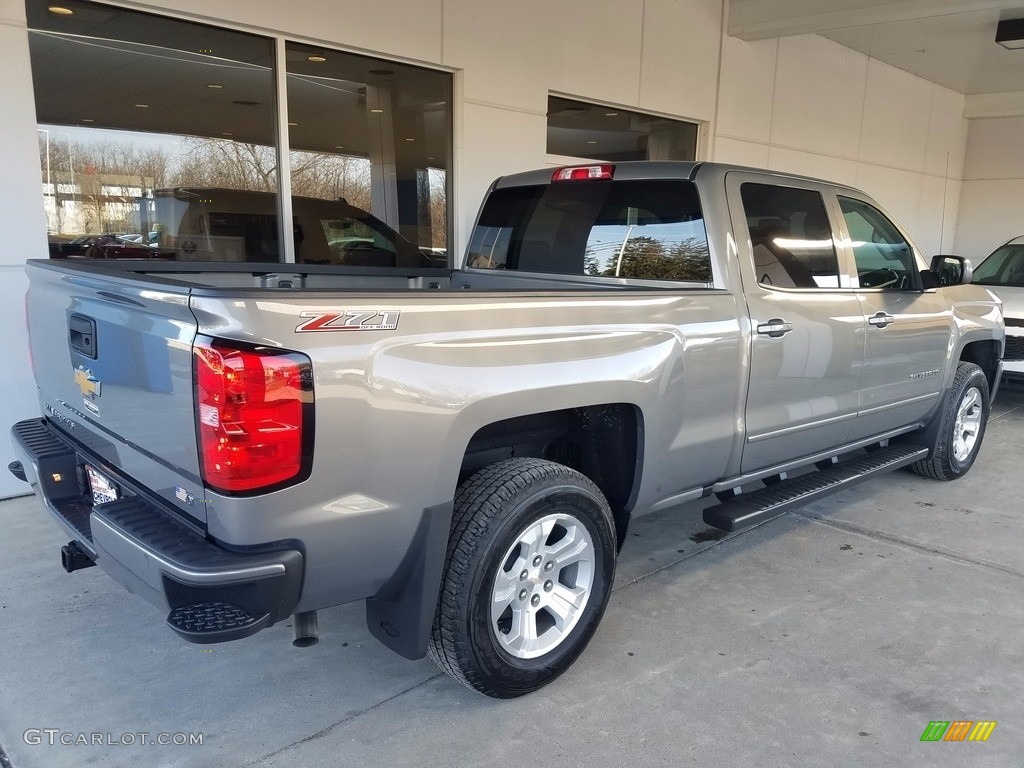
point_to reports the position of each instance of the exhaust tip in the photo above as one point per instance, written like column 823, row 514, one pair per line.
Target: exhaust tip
column 305, row 629
column 18, row 470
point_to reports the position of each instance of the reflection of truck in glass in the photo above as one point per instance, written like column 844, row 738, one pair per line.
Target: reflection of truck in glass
column 464, row 449
column 204, row 224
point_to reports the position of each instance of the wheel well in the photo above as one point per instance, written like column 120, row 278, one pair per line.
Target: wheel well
column 984, row 354
column 602, row 442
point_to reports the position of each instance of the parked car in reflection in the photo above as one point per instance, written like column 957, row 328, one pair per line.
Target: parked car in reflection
column 110, row 246
column 207, row 224
column 1003, row 272
column 113, row 247
column 78, row 246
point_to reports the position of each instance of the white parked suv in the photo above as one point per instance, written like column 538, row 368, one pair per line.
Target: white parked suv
column 1003, row 272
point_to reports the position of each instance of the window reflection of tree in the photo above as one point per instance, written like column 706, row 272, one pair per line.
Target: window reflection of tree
column 648, row 258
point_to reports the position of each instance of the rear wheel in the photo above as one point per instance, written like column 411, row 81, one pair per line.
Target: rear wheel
column 962, row 428
column 527, row 578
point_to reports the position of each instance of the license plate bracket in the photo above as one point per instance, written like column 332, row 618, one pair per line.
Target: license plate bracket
column 103, row 489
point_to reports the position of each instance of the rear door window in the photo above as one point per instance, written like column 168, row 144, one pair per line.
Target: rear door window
column 645, row 230
column 790, row 236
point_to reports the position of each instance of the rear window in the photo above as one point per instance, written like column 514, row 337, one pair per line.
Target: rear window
column 647, row 230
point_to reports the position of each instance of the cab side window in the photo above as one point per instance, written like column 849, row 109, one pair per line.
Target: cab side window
column 884, row 258
column 790, row 236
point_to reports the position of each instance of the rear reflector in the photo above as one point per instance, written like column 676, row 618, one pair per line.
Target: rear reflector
column 254, row 415
column 583, row 173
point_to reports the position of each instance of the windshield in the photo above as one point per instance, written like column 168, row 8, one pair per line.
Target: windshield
column 1004, row 267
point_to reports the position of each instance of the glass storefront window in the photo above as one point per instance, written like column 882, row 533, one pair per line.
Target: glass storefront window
column 158, row 139
column 596, row 132
column 142, row 119
column 373, row 135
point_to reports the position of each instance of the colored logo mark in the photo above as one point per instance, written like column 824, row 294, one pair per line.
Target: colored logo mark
column 88, row 383
column 958, row 730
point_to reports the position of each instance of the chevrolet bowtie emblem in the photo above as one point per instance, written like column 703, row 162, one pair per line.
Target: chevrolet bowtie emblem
column 90, row 386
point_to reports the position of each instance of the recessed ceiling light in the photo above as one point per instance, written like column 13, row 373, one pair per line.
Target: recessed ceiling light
column 88, row 120
column 215, row 85
column 227, row 134
column 317, row 59
column 338, row 146
column 591, row 142
column 611, row 114
column 142, row 106
column 431, row 158
column 410, row 139
column 60, row 10
column 292, row 123
column 377, row 110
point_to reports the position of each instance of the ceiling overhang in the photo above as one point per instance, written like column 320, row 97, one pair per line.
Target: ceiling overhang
column 948, row 42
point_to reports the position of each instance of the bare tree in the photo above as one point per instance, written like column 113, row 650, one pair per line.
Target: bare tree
column 438, row 191
column 225, row 164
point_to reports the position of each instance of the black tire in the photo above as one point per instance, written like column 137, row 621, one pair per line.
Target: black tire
column 494, row 510
column 944, row 463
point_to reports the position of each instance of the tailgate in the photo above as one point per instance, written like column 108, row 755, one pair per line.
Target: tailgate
column 112, row 355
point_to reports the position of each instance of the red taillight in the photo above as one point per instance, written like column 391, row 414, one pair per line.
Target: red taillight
column 252, row 417
column 583, row 173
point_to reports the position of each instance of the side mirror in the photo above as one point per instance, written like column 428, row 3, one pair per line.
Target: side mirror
column 948, row 270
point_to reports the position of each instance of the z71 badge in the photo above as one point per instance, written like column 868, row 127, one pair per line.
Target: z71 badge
column 348, row 321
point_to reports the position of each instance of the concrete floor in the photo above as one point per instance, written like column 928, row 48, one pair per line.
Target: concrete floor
column 831, row 637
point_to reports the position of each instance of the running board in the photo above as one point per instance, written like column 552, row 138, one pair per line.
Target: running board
column 749, row 509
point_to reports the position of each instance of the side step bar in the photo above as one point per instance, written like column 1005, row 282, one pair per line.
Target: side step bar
column 749, row 509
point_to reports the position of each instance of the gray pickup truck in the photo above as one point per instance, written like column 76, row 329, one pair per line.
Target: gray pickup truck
column 463, row 449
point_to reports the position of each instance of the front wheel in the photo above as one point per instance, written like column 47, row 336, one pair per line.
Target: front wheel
column 527, row 576
column 963, row 417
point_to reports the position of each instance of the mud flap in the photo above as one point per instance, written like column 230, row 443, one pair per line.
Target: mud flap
column 402, row 613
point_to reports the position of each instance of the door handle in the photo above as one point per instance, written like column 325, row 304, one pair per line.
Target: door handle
column 881, row 319
column 775, row 328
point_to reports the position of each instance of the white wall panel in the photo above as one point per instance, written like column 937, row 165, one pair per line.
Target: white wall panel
column 836, row 169
column 819, row 96
column 946, row 144
column 899, row 192
column 748, row 89
column 737, row 152
column 895, row 118
column 679, row 65
column 992, row 199
column 595, row 49
column 991, row 212
column 504, row 57
column 495, row 142
column 836, row 114
column 942, row 196
column 995, row 149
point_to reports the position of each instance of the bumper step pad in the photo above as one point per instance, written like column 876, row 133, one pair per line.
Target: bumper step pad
column 748, row 509
column 215, row 622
